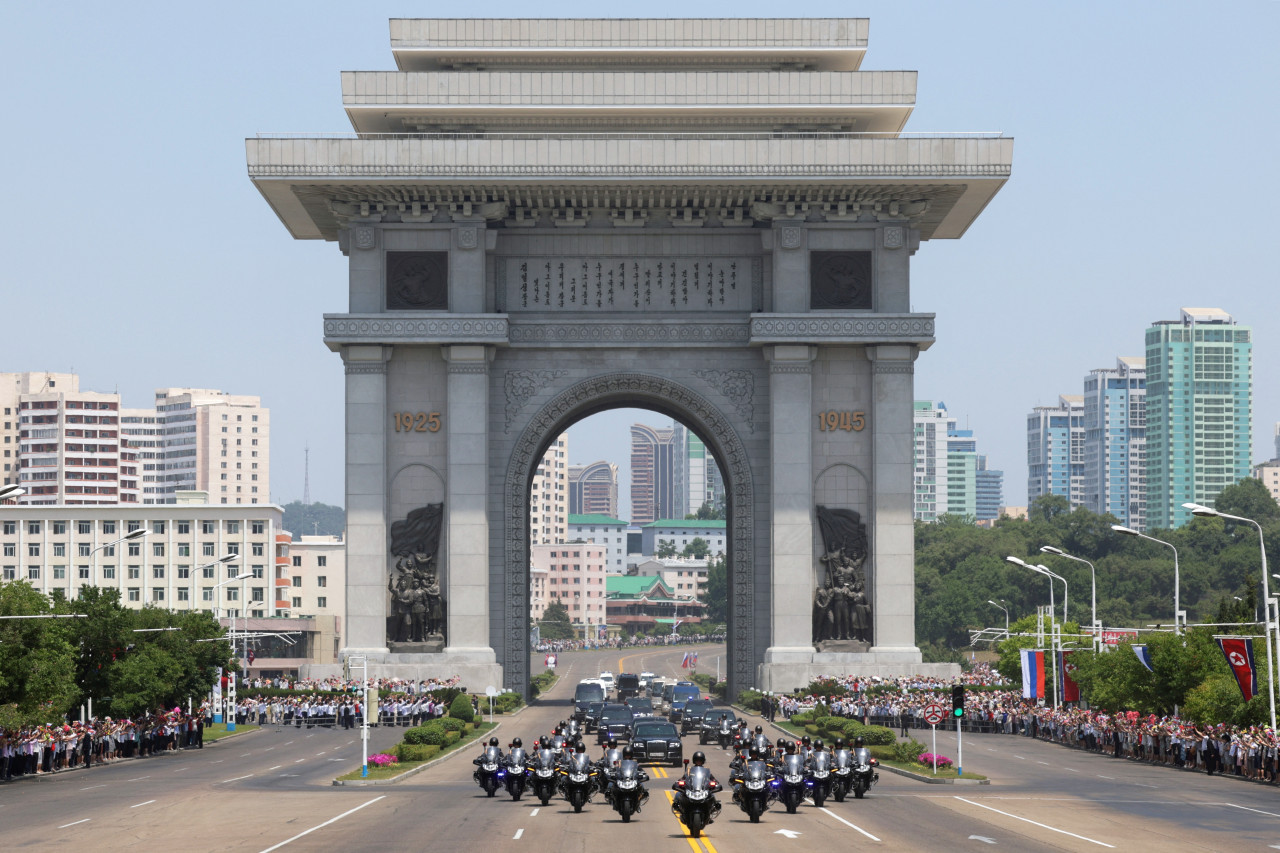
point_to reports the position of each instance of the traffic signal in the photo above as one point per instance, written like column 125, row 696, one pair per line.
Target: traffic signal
column 957, row 701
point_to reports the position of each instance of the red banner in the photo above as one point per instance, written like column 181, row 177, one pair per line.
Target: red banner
column 1070, row 690
column 1115, row 638
column 1239, row 654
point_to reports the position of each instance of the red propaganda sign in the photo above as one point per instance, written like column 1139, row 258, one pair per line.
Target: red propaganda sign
column 1115, row 638
column 934, row 714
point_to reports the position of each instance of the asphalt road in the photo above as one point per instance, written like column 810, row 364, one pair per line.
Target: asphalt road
column 271, row 791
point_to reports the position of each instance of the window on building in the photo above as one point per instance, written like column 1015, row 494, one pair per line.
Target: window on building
column 258, row 571
column 297, row 560
column 207, row 571
column 157, row 594
column 233, row 548
column 157, row 527
column 208, row 528
column 59, row 528
column 157, row 572
column 10, row 573
column 233, row 594
column 297, row 580
column 109, row 528
column 259, row 527
column 184, row 594
column 184, row 572
column 33, row 528
column 10, row 549
column 10, row 528
column 322, row 602
column 135, row 572
column 59, row 573
column 321, row 580
column 135, row 594
column 84, row 528
column 184, row 549
column 82, row 572
column 135, row 549
column 33, row 549
column 206, row 593
column 257, row 549
column 157, row 549
column 233, row 527
column 207, row 549
column 259, row 594
column 297, row 602
column 109, row 573
column 322, row 561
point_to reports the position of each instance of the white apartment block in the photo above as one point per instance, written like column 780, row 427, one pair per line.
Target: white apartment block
column 686, row 577
column 549, row 496
column 602, row 530
column 1115, row 442
column 1269, row 473
column 318, row 577
column 1055, row 450
column 575, row 577
column 63, row 548
column 682, row 532
column 13, row 386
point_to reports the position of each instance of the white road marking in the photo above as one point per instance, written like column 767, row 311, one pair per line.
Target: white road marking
column 323, row 825
column 789, row 833
column 268, row 749
column 533, row 813
column 516, row 837
column 73, row 823
column 1069, row 770
column 90, row 788
column 237, row 779
column 982, row 838
column 277, row 767
column 1100, row 776
column 1246, row 808
column 311, row 735
column 846, row 823
column 300, row 760
column 219, row 761
column 147, row 803
column 137, row 779
column 1045, row 763
column 246, row 754
column 1036, row 823
column 1140, row 785
column 1020, row 758
column 321, row 752
column 179, row 770
column 286, row 743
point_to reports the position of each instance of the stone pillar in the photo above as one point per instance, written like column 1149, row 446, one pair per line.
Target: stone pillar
column 465, row 506
column 791, row 502
column 790, row 267
column 893, row 539
column 366, row 450
column 365, row 277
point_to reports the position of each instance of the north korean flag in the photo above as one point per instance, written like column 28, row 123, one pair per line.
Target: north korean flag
column 1070, row 690
column 1239, row 654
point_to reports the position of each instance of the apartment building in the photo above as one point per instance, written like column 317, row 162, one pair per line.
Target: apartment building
column 549, row 495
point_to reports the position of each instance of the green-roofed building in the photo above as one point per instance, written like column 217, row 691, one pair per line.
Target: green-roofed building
column 638, row 602
column 682, row 531
column 602, row 530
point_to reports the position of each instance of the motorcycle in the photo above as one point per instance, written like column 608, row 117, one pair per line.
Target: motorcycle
column 842, row 774
column 818, row 776
column 605, row 769
column 753, row 793
column 724, row 734
column 487, row 773
column 627, row 791
column 864, row 772
column 789, row 783
column 542, row 775
column 513, row 775
column 696, row 805
column 577, row 780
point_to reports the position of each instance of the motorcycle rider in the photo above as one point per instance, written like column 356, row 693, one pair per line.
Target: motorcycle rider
column 699, row 760
column 807, row 747
column 491, row 750
column 607, row 763
column 642, row 793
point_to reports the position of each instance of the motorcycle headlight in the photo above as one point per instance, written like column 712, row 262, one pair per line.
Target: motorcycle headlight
column 696, row 795
column 863, row 768
column 490, row 766
column 793, row 777
column 755, row 784
column 545, row 772
column 626, row 783
column 821, row 774
column 577, row 777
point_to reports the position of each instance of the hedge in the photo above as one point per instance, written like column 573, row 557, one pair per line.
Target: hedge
column 427, row 735
column 505, row 703
column 452, row 738
column 460, row 708
column 750, row 699
column 416, row 752
column 542, row 681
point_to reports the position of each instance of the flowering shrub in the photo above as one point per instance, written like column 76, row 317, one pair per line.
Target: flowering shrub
column 928, row 758
column 382, row 759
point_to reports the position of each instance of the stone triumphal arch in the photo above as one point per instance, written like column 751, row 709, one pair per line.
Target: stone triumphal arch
column 709, row 218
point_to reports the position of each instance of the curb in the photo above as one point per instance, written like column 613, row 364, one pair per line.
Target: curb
column 361, row 783
column 233, row 736
column 929, row 780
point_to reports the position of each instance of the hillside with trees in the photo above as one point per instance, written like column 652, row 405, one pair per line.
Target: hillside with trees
column 314, row 519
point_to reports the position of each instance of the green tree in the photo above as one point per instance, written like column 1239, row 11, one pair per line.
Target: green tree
column 556, row 623
column 697, row 548
column 37, row 660
column 717, row 589
column 666, row 548
column 314, row 519
column 707, row 512
column 1249, row 498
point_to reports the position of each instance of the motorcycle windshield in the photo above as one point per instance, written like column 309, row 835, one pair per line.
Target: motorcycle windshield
column 757, row 770
column 793, row 765
column 580, row 763
column 863, row 755
column 628, row 769
column 517, row 757
column 842, row 758
column 699, row 779
column 821, row 761
column 546, row 758
column 492, row 754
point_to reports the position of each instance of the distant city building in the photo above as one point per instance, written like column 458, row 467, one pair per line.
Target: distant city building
column 1055, row 450
column 574, row 576
column 602, row 530
column 1014, row 512
column 685, row 576
column 990, row 491
column 13, row 386
column 1199, row 411
column 549, row 495
column 593, row 489
column 640, row 603
column 1115, row 441
column 654, row 492
column 1269, row 473
column 317, row 577
column 697, row 476
column 682, row 532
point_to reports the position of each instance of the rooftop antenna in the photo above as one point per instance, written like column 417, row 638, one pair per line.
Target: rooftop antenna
column 306, row 475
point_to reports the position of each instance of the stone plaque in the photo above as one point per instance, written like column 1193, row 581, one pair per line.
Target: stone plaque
column 839, row 280
column 417, row 281
column 679, row 283
column 364, row 237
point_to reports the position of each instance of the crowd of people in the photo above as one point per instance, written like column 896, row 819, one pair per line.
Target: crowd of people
column 634, row 641
column 37, row 750
column 319, row 709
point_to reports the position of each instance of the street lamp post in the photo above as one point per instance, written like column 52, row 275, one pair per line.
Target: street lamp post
column 230, row 714
column 1006, row 616
column 1093, row 576
column 1044, row 570
column 11, row 492
column 1203, row 512
column 1177, row 607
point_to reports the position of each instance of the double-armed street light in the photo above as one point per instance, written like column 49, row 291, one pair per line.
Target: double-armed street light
column 132, row 536
column 10, row 491
column 1093, row 575
column 1177, row 586
column 1006, row 616
column 230, row 715
column 1207, row 512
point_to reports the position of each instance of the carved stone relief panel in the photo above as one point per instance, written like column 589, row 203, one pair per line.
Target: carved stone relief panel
column 840, row 280
column 612, row 284
column 417, row 281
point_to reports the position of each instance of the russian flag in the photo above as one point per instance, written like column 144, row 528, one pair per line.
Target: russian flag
column 1032, row 673
column 685, row 663
column 694, row 659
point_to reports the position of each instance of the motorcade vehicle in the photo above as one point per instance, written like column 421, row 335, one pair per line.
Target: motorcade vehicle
column 628, row 685
column 513, row 773
column 641, row 706
column 692, row 713
column 656, row 741
column 752, row 789
column 789, row 781
column 719, row 725
column 818, row 776
column 679, row 695
column 615, row 722
column 646, row 678
column 864, row 771
column 487, row 768
column 606, row 678
column 542, row 774
column 584, row 694
column 577, row 780
column 591, row 718
column 626, row 792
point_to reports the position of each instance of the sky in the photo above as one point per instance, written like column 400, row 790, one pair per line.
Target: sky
column 139, row 255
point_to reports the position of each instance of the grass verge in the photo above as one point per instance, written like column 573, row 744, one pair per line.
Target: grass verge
column 217, row 731
column 399, row 767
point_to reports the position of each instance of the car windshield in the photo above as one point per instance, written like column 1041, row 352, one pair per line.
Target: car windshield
column 595, row 707
column 616, row 714
column 683, row 694
column 655, row 730
column 639, row 705
column 588, row 692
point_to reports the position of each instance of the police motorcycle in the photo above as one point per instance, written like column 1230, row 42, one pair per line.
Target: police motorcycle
column 724, row 732
column 864, row 769
column 605, row 766
column 626, row 789
column 752, row 790
column 513, row 773
column 577, row 777
column 559, row 744
column 542, row 771
column 841, row 771
column 818, row 774
column 571, row 728
column 789, row 778
column 695, row 802
column 488, row 765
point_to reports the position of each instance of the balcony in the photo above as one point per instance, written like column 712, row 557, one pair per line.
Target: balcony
column 283, row 582
column 283, row 605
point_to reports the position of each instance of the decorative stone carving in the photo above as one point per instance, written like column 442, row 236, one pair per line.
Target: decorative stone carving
column 379, row 328
column 418, row 620
column 790, row 237
column 841, row 606
column 738, row 386
column 641, row 284
column 520, row 385
column 631, row 333
column 895, row 237
column 468, row 237
column 417, row 281
column 364, row 236
column 893, row 367
column 839, row 280
column 704, row 418
column 796, row 328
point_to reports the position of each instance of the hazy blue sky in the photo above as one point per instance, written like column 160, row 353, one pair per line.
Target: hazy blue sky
column 140, row 255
